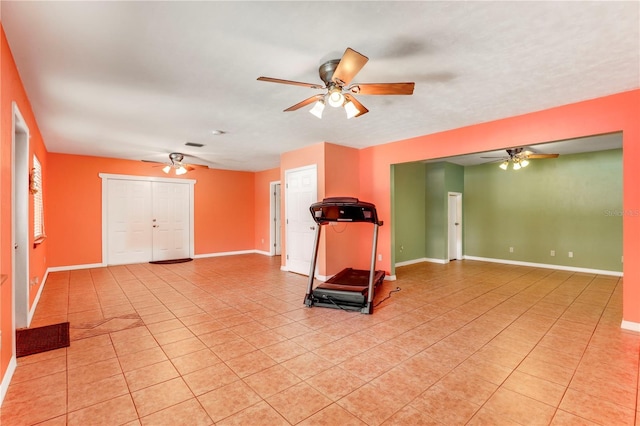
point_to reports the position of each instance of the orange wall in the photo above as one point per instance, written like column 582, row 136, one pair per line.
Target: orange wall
column 224, row 211
column 12, row 90
column 613, row 113
column 223, row 202
column 342, row 180
column 262, row 202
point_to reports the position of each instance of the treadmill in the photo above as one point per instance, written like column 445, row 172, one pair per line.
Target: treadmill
column 350, row 289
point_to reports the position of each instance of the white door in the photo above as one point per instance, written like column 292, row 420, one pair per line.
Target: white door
column 147, row 221
column 20, row 231
column 455, row 226
column 129, row 221
column 170, row 211
column 300, row 192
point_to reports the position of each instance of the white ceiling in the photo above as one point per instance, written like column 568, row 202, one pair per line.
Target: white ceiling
column 137, row 80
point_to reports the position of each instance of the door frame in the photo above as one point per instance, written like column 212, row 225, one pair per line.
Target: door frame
column 458, row 236
column 20, row 229
column 107, row 176
column 275, row 221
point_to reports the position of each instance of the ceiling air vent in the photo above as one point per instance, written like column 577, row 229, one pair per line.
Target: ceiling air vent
column 197, row 145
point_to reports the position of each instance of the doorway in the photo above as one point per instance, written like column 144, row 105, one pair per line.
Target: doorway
column 20, row 219
column 455, row 226
column 276, row 220
column 300, row 192
column 146, row 219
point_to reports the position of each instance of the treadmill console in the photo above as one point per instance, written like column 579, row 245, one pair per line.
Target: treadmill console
column 344, row 209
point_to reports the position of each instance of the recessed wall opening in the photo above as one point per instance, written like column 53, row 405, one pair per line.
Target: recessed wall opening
column 563, row 212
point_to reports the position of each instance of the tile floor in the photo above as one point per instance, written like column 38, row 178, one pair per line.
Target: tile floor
column 228, row 341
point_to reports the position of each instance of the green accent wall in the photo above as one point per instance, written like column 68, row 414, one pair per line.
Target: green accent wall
column 436, row 214
column 420, row 202
column 442, row 178
column 409, row 210
column 569, row 204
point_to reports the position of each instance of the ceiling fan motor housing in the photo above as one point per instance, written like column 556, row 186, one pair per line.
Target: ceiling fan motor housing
column 326, row 71
column 176, row 157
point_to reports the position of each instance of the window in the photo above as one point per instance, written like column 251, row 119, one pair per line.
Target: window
column 35, row 186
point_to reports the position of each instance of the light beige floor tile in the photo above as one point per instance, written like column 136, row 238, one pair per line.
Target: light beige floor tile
column 227, row 340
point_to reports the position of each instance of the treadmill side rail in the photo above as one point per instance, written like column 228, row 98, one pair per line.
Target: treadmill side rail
column 308, row 299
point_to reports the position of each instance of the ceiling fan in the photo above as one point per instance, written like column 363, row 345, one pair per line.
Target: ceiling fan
column 519, row 158
column 177, row 165
column 337, row 75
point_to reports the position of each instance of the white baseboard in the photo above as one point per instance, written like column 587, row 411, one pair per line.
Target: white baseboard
column 390, row 278
column 631, row 326
column 546, row 266
column 197, row 256
column 75, row 267
column 32, row 311
column 422, row 259
column 226, row 253
column 8, row 375
column 264, row 253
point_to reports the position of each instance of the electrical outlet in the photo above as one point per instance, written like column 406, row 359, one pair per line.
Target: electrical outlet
column 263, row 241
column 553, row 253
column 401, row 248
column 379, row 257
column 570, row 254
column 510, row 249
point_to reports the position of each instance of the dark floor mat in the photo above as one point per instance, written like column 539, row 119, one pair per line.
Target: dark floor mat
column 168, row 262
column 31, row 341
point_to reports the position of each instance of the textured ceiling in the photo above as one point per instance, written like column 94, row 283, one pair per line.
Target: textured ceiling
column 137, row 80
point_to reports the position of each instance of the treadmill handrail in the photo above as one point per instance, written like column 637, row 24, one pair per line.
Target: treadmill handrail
column 344, row 209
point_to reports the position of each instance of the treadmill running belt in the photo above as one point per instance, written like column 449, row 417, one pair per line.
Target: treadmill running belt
column 349, row 287
column 350, row 276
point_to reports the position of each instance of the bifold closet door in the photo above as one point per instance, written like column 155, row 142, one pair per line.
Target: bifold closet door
column 147, row 221
column 170, row 211
column 129, row 228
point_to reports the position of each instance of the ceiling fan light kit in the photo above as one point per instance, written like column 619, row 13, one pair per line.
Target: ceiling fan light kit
column 520, row 158
column 176, row 164
column 336, row 75
column 318, row 108
column 336, row 98
column 351, row 109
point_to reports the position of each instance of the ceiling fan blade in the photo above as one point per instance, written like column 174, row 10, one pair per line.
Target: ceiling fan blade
column 350, row 64
column 505, row 158
column 383, row 88
column 192, row 166
column 295, row 83
column 304, row 103
column 361, row 108
column 535, row 156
